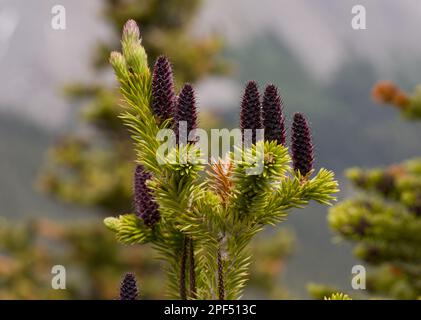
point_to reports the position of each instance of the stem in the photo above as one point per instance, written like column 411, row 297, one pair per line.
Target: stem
column 183, row 293
column 192, row 270
column 221, row 289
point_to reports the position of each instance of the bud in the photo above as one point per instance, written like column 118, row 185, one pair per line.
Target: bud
column 119, row 64
column 131, row 31
column 302, row 146
column 128, row 287
column 136, row 58
column 273, row 118
column 133, row 51
column 112, row 223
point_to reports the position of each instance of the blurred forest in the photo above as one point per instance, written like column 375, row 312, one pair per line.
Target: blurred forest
column 384, row 218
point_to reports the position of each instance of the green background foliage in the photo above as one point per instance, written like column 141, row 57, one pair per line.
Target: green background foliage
column 384, row 221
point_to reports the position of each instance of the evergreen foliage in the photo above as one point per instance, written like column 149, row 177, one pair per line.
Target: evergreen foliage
column 94, row 169
column 204, row 236
column 385, row 219
column 338, row 296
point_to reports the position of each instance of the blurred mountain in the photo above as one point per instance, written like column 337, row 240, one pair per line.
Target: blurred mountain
column 38, row 61
column 319, row 32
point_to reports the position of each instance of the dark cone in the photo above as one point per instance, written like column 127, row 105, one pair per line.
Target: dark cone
column 145, row 206
column 186, row 110
column 302, row 146
column 273, row 118
column 251, row 113
column 163, row 94
column 128, row 287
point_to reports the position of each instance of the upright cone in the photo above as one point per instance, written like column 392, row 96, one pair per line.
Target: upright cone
column 185, row 111
column 273, row 118
column 251, row 113
column 145, row 206
column 163, row 94
column 301, row 145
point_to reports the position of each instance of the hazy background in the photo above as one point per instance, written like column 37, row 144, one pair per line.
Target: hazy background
column 307, row 47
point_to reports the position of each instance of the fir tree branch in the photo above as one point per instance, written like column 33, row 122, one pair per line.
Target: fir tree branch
column 223, row 213
column 130, row 229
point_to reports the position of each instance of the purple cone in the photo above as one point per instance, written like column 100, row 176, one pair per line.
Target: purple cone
column 145, row 206
column 163, row 94
column 251, row 113
column 128, row 287
column 273, row 118
column 302, row 146
column 185, row 111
